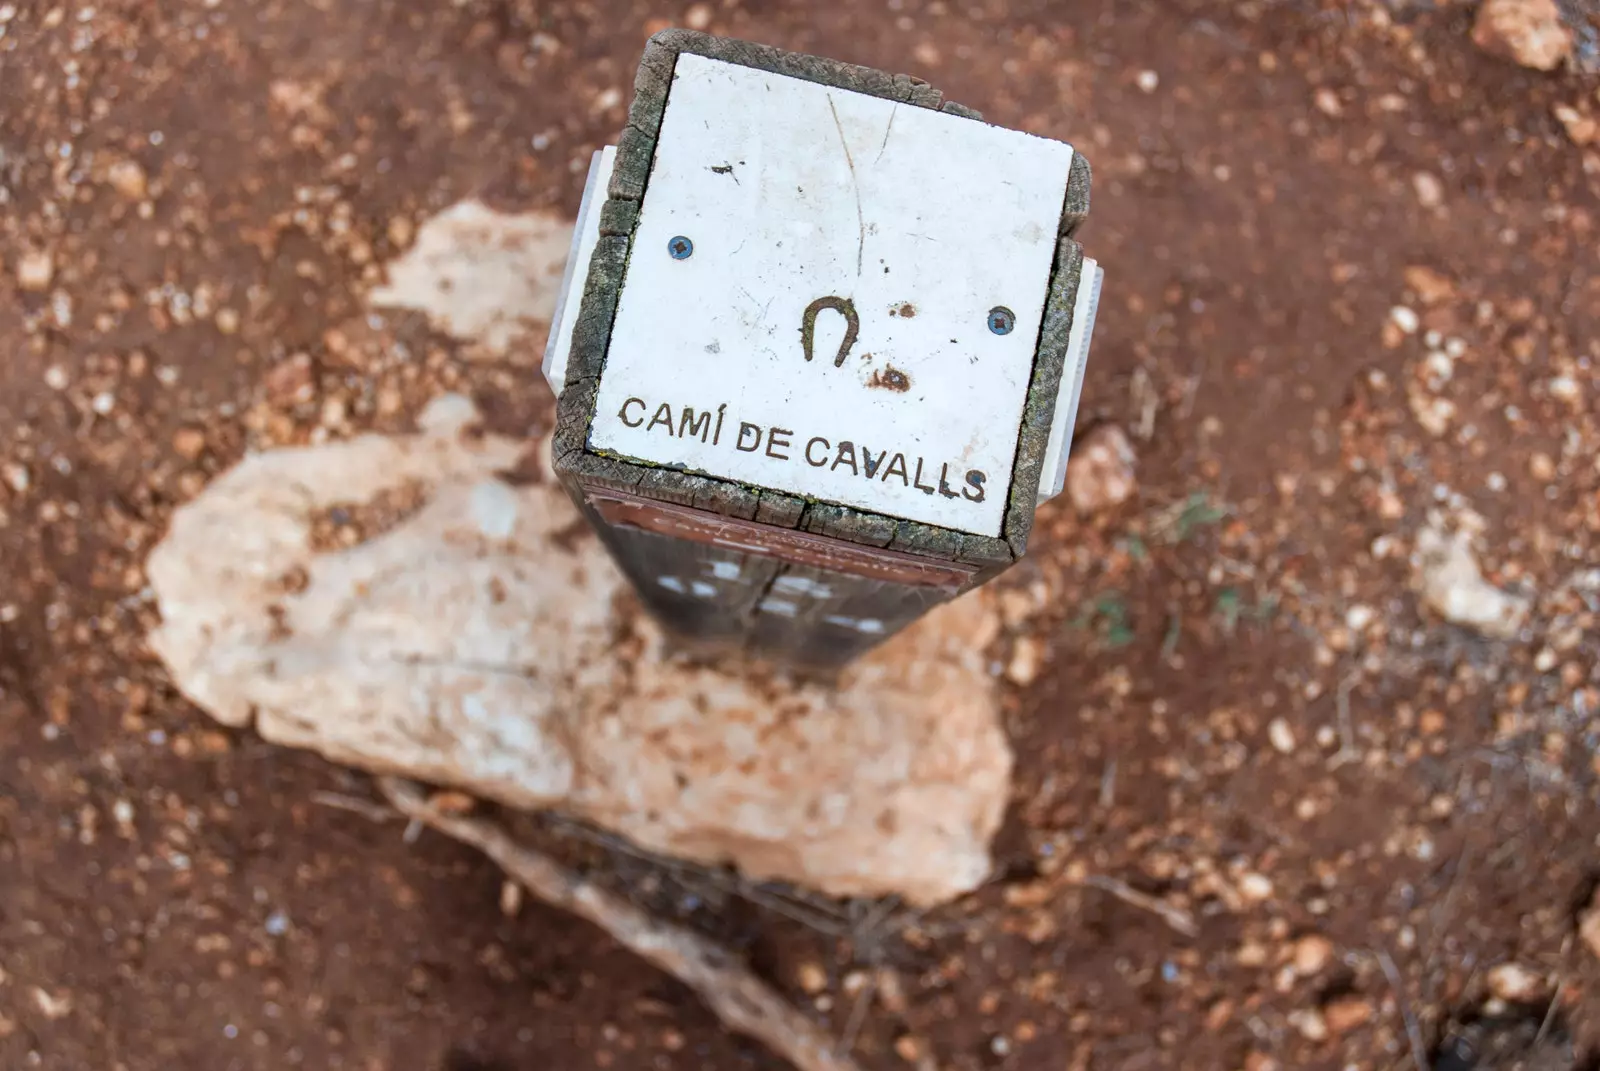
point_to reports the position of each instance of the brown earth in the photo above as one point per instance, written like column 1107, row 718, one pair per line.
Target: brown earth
column 1227, row 695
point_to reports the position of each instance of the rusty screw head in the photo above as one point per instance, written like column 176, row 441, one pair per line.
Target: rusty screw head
column 680, row 248
column 1002, row 320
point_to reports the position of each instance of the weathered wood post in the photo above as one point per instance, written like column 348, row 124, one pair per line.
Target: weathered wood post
column 820, row 348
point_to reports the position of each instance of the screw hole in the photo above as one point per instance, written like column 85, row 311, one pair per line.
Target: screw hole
column 1002, row 321
column 680, row 248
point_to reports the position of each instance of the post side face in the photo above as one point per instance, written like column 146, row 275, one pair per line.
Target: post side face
column 836, row 324
column 724, row 583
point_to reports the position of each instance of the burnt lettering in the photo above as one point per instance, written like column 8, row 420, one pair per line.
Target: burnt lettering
column 690, row 425
column 944, row 482
column 916, row 481
column 846, row 456
column 754, row 431
column 975, row 479
column 870, row 463
column 778, row 438
column 899, row 463
column 622, row 414
column 814, row 442
column 663, row 417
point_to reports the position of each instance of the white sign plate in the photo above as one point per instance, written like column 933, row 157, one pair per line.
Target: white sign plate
column 900, row 229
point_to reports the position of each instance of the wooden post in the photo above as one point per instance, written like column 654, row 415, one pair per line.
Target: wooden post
column 820, row 348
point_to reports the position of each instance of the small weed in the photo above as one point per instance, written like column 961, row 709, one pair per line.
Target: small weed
column 1107, row 615
column 1231, row 607
column 1182, row 520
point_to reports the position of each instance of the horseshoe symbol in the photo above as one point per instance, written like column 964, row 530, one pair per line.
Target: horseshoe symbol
column 808, row 325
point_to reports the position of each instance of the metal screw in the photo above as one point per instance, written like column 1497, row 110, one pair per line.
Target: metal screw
column 680, row 248
column 1002, row 320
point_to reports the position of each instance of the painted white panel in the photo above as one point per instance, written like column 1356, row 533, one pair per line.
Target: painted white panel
column 585, row 236
column 1053, row 473
column 793, row 192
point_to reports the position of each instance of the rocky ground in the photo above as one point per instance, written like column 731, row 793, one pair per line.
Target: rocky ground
column 1305, row 724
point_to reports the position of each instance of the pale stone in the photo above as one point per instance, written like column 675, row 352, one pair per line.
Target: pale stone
column 812, row 977
column 468, row 646
column 1255, row 887
column 1528, row 32
column 1452, row 584
column 35, row 268
column 483, row 276
column 128, row 179
column 1026, row 659
column 1582, row 129
column 1312, row 954
column 1429, row 191
column 1310, row 1023
column 1281, row 736
column 1100, row 470
column 1515, row 984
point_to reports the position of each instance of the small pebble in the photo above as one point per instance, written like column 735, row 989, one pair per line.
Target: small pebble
column 400, row 232
column 1405, row 318
column 908, row 1048
column 1344, row 1014
column 189, row 443
column 698, row 17
column 1515, row 984
column 1310, row 1023
column 812, row 978
column 16, row 476
column 1429, row 190
column 1312, row 954
column 1281, row 736
column 35, row 269
column 1026, row 659
column 1255, row 887
column 128, row 179
column 1565, row 389
column 1439, row 368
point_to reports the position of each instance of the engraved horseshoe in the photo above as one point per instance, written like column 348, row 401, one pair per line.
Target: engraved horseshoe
column 808, row 325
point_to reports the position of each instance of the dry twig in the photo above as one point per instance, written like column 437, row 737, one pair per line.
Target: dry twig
column 741, row 1000
column 1176, row 917
column 1419, row 1051
column 372, row 812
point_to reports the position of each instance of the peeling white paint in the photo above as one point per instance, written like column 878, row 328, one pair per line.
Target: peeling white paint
column 790, row 584
column 870, row 625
